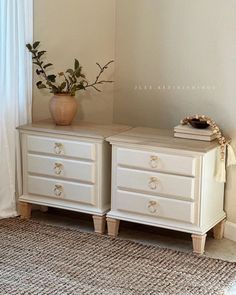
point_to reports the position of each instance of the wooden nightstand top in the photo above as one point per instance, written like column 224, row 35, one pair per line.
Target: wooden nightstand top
column 80, row 129
column 143, row 136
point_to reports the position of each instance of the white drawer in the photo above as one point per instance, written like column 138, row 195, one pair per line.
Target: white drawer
column 61, row 147
column 177, row 164
column 156, row 183
column 82, row 193
column 155, row 206
column 84, row 171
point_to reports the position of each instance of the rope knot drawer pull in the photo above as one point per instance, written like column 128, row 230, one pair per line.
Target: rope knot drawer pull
column 58, row 168
column 152, row 207
column 58, row 148
column 153, row 183
column 58, row 190
column 153, row 161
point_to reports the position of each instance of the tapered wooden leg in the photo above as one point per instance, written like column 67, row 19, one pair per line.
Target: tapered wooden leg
column 99, row 224
column 113, row 226
column 25, row 210
column 199, row 243
column 218, row 230
column 43, row 209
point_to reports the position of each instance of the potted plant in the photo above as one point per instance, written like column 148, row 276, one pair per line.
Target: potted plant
column 64, row 85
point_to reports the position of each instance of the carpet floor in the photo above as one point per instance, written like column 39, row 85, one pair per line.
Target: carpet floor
column 40, row 259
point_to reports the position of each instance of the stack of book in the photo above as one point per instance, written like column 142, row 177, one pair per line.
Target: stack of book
column 188, row 132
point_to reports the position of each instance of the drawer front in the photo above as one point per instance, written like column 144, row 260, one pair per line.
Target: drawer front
column 155, row 206
column 156, row 183
column 185, row 165
column 83, row 171
column 82, row 193
column 61, row 147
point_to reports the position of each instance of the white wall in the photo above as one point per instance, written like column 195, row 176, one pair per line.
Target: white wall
column 177, row 43
column 77, row 28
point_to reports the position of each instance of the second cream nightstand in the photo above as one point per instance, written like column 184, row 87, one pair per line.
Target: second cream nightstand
column 166, row 182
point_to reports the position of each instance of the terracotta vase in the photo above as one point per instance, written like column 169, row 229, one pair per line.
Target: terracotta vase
column 63, row 109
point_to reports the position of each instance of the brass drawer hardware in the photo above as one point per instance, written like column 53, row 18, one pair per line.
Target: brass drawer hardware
column 58, row 190
column 153, row 183
column 153, row 161
column 58, row 168
column 58, row 148
column 152, row 207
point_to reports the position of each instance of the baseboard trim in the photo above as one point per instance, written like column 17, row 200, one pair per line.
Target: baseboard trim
column 230, row 231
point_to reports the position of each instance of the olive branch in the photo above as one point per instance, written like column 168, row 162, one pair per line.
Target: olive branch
column 72, row 80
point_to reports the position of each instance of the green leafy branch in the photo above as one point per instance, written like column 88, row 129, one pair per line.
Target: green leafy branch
column 73, row 80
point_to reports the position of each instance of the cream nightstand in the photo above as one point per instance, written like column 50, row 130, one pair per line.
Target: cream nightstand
column 68, row 168
column 166, row 182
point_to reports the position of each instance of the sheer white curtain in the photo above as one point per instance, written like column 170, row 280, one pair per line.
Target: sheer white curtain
column 16, row 29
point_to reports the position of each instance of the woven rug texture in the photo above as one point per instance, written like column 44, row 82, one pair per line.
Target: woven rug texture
column 40, row 259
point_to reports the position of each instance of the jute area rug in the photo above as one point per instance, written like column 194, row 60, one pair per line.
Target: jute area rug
column 40, row 259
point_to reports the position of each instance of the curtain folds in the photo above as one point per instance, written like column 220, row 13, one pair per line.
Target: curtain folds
column 16, row 29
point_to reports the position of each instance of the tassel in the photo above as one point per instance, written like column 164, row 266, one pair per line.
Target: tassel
column 231, row 158
column 220, row 173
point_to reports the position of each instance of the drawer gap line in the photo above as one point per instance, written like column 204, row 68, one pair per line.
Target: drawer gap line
column 164, row 196
column 47, row 176
column 155, row 171
column 61, row 157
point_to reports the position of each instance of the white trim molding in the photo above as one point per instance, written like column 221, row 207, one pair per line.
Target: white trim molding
column 230, row 231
